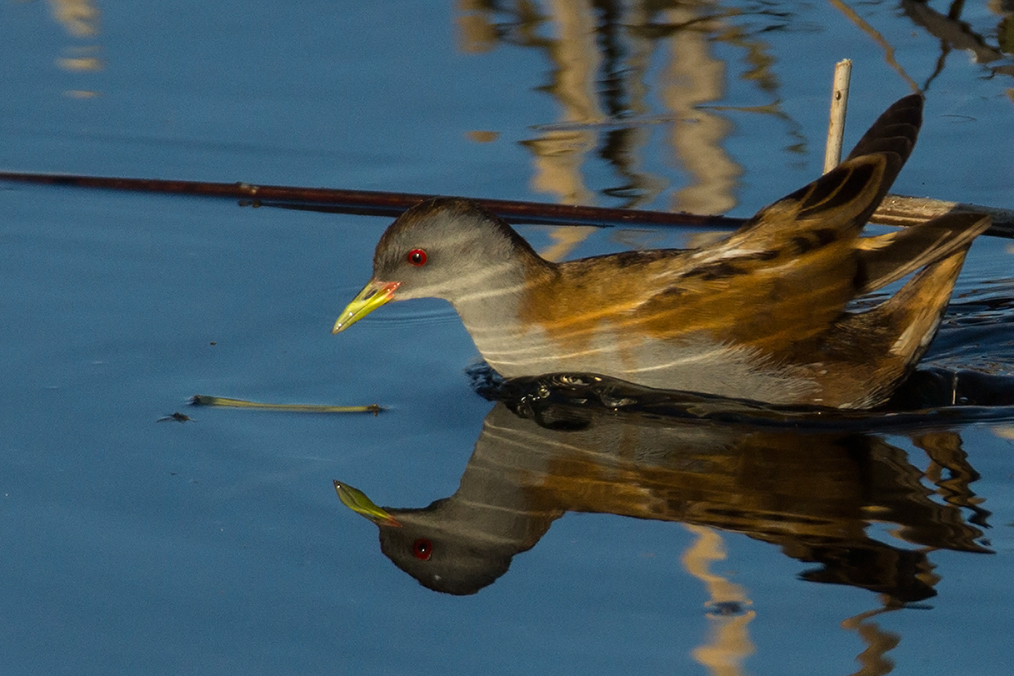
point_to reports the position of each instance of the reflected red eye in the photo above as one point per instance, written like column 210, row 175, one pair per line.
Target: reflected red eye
column 422, row 549
column 417, row 257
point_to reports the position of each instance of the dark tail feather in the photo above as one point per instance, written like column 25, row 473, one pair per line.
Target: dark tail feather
column 844, row 198
column 895, row 131
column 892, row 137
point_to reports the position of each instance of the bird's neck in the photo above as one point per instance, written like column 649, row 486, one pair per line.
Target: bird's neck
column 490, row 309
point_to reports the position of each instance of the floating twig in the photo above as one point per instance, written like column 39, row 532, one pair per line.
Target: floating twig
column 392, row 204
column 375, row 203
column 205, row 400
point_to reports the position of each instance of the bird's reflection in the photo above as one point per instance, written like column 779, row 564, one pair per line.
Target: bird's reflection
column 815, row 491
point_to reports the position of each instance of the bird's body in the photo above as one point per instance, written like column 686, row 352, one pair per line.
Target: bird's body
column 760, row 315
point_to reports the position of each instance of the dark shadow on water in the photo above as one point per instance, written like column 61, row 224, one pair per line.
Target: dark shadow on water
column 811, row 482
column 929, row 396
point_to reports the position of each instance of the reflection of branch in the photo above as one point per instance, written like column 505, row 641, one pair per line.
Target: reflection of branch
column 956, row 34
column 757, row 55
column 950, row 471
column 953, row 34
column 694, row 76
column 873, row 660
column 78, row 17
column 728, row 643
column 774, row 109
column 877, row 37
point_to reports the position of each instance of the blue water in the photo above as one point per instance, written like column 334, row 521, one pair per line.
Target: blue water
column 218, row 546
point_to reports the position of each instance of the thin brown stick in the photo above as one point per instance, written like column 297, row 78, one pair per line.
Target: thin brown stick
column 376, row 203
column 904, row 211
column 895, row 210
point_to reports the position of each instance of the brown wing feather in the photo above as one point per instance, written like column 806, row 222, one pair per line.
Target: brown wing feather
column 780, row 281
column 890, row 257
column 788, row 274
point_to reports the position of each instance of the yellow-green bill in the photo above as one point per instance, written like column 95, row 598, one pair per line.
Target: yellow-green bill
column 369, row 299
column 356, row 500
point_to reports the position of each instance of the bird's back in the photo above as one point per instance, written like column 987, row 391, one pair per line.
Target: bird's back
column 763, row 314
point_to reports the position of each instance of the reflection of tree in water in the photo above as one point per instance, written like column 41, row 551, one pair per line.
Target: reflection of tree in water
column 610, row 60
column 603, row 56
column 80, row 20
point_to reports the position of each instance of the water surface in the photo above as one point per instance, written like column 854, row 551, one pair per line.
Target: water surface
column 219, row 546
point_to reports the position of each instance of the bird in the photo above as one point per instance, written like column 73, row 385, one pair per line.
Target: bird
column 767, row 314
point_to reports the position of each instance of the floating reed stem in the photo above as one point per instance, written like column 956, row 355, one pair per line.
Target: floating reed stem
column 205, row 400
column 839, row 106
column 896, row 209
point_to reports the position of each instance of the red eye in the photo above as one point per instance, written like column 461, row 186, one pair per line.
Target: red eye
column 422, row 548
column 417, row 257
